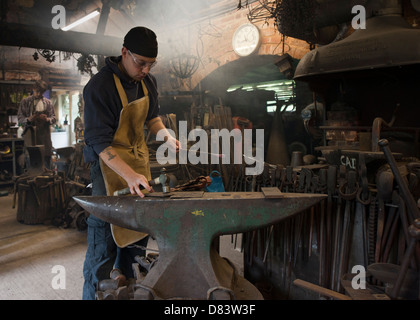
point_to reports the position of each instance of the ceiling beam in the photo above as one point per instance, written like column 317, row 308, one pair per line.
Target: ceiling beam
column 19, row 35
column 103, row 18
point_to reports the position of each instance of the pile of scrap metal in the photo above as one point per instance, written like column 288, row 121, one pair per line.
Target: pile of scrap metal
column 46, row 196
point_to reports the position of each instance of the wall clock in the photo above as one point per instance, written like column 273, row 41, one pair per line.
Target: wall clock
column 246, row 40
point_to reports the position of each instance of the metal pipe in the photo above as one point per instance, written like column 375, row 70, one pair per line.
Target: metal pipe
column 19, row 35
column 377, row 126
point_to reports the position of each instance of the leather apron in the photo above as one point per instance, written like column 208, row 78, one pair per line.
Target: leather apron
column 130, row 145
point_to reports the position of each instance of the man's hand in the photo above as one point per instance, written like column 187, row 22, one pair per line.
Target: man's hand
column 38, row 116
column 136, row 181
column 173, row 143
column 133, row 179
column 31, row 118
column 43, row 117
column 156, row 126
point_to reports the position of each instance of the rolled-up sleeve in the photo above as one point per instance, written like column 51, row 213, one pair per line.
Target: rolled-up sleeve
column 23, row 112
column 50, row 111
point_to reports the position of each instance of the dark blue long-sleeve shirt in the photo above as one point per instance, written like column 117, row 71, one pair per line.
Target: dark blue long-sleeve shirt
column 103, row 105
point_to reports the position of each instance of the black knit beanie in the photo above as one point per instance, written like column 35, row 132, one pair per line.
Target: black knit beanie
column 142, row 41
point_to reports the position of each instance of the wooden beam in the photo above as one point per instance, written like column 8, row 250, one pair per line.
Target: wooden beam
column 321, row 290
column 103, row 19
column 19, row 35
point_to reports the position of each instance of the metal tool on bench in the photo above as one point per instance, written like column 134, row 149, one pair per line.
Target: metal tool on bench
column 185, row 225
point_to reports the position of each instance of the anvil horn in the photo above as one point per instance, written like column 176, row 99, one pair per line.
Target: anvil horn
column 115, row 210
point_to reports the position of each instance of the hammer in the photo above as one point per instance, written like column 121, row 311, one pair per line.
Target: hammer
column 163, row 179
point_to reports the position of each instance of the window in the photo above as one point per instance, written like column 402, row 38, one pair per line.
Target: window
column 284, row 93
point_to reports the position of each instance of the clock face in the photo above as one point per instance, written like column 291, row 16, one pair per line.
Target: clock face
column 246, row 39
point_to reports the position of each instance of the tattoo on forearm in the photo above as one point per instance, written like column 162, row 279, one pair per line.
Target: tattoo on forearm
column 108, row 152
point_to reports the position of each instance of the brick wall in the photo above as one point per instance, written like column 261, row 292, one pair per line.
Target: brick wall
column 215, row 41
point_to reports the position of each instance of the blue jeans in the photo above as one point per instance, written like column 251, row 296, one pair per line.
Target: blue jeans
column 103, row 254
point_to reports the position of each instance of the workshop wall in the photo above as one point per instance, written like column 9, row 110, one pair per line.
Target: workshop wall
column 219, row 51
column 211, row 41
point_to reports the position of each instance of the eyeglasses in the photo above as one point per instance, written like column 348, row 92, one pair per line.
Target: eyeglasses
column 142, row 64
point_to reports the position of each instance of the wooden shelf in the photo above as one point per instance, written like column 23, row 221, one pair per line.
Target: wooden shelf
column 12, row 142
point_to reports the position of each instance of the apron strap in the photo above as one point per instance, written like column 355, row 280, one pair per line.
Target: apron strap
column 121, row 91
column 145, row 91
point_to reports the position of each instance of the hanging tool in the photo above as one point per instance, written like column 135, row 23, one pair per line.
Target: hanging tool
column 323, row 257
column 405, row 192
column 337, row 231
column 385, row 186
column 364, row 197
column 331, row 190
column 350, row 194
column 390, row 227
